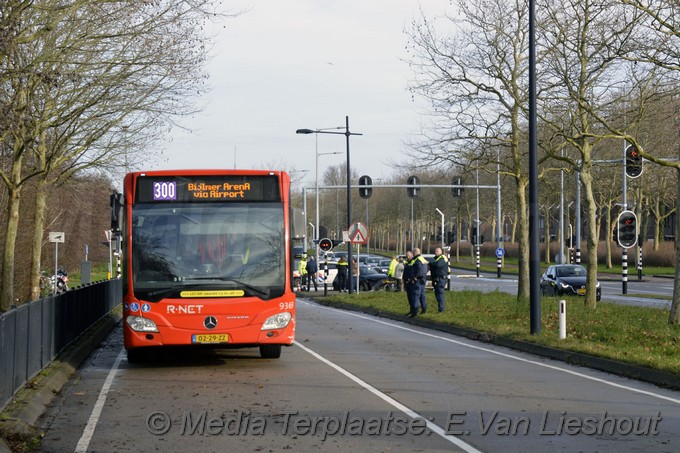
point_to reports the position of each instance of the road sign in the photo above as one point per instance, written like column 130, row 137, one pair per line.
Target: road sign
column 500, row 251
column 57, row 237
column 358, row 233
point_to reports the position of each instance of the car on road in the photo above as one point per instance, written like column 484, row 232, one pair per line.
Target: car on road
column 383, row 266
column 566, row 280
column 369, row 279
column 371, row 260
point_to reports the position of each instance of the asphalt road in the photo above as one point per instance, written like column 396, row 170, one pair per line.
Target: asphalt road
column 354, row 382
column 645, row 292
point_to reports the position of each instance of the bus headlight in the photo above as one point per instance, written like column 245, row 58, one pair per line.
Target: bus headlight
column 139, row 324
column 278, row 321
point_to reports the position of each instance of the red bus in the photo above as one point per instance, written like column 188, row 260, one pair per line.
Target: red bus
column 206, row 259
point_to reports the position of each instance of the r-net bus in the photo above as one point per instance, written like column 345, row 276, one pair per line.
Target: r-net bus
column 206, row 259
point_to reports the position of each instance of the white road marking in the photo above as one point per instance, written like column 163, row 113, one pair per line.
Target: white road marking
column 85, row 439
column 405, row 409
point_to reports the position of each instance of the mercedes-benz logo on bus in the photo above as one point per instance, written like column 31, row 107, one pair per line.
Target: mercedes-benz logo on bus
column 210, row 322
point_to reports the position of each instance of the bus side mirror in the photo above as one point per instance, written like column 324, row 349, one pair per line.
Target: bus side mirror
column 298, row 226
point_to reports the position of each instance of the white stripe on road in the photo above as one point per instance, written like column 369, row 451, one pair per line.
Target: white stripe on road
column 406, row 410
column 85, row 439
column 506, row 355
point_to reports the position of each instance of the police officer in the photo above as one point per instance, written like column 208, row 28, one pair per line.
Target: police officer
column 410, row 284
column 343, row 272
column 420, row 268
column 439, row 272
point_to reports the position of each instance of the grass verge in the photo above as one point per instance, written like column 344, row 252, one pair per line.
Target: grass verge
column 629, row 334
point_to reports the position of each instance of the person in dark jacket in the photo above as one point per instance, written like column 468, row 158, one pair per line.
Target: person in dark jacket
column 410, row 284
column 311, row 273
column 420, row 268
column 439, row 273
column 343, row 269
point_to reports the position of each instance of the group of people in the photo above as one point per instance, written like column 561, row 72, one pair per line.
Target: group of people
column 411, row 275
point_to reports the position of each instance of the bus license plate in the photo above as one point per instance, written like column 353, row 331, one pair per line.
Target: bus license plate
column 210, row 338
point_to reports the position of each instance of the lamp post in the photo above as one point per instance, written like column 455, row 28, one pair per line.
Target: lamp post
column 347, row 134
column 317, row 232
column 441, row 214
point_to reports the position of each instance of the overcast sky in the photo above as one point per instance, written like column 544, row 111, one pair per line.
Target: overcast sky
column 286, row 65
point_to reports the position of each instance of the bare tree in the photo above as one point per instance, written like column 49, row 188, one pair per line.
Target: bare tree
column 581, row 70
column 103, row 75
column 660, row 46
column 476, row 82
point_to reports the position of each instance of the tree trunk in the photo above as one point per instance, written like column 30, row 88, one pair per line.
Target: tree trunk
column 610, row 233
column 522, row 223
column 674, row 317
column 14, row 198
column 591, row 240
column 38, row 231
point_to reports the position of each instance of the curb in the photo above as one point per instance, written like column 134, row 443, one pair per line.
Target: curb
column 660, row 378
column 31, row 401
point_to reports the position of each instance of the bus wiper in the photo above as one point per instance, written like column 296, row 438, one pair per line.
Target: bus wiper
column 167, row 290
column 238, row 282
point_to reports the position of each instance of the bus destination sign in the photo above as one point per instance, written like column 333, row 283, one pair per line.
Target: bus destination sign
column 209, row 188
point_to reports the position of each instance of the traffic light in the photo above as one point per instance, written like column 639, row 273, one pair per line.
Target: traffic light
column 413, row 191
column 627, row 228
column 456, row 191
column 326, row 245
column 365, row 192
column 633, row 162
column 116, row 202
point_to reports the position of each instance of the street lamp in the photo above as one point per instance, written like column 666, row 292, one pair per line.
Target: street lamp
column 347, row 134
column 442, row 214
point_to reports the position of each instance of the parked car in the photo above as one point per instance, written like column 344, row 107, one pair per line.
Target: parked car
column 371, row 260
column 369, row 279
column 566, row 280
column 383, row 266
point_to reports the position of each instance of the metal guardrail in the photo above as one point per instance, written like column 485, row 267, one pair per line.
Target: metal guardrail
column 33, row 334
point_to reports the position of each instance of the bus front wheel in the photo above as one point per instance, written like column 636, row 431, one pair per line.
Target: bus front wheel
column 270, row 351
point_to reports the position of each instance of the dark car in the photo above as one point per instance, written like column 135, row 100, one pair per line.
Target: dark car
column 369, row 279
column 566, row 280
column 383, row 266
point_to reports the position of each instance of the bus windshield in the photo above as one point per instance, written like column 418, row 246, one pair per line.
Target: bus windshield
column 207, row 246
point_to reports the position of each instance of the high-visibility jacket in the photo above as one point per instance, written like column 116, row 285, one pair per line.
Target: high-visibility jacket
column 392, row 267
column 302, row 267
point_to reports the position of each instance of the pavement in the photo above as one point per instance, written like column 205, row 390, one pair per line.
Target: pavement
column 21, row 414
